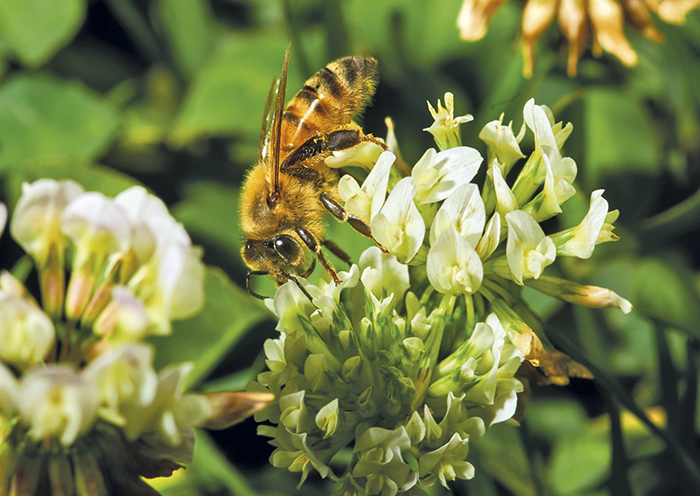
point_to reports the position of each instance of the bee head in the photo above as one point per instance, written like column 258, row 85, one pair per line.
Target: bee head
column 277, row 255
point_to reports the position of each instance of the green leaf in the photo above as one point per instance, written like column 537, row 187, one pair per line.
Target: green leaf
column 228, row 94
column 37, row 29
column 47, row 121
column 580, row 463
column 619, row 136
column 501, row 454
column 191, row 29
column 210, row 211
column 208, row 470
column 660, row 292
column 208, row 336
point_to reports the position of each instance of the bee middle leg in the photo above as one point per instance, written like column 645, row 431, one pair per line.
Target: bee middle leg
column 312, row 243
column 342, row 215
column 337, row 251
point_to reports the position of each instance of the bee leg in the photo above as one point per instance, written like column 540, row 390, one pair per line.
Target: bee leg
column 337, row 251
column 247, row 282
column 342, row 215
column 302, row 288
column 315, row 247
column 308, row 271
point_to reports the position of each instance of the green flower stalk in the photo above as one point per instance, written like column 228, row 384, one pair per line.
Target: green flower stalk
column 414, row 355
column 82, row 410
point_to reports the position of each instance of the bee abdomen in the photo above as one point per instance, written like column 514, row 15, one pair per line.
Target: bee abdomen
column 332, row 96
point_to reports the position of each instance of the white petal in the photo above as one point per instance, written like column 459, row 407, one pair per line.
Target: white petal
column 463, row 210
column 453, row 266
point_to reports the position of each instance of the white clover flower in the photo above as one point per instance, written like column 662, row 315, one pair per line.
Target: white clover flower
column 56, row 401
column 97, row 226
column 560, row 173
column 382, row 275
column 540, row 120
column 289, row 303
column 36, row 219
column 580, row 241
column 3, row 217
column 606, row 233
column 292, row 452
column 502, row 142
column 171, row 413
column 453, row 265
column 445, row 128
column 123, row 375
column 399, row 226
column 380, row 460
column 491, row 238
column 447, row 462
column 496, row 393
column 528, row 250
column 9, row 389
column 463, row 210
column 141, row 206
column 505, row 199
column 458, row 419
column 171, row 284
column 364, row 155
column 125, row 318
column 26, row 333
column 366, row 201
column 437, row 174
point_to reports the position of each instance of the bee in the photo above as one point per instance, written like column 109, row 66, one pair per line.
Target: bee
column 287, row 192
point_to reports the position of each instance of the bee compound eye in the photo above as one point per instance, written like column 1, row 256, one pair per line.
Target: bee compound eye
column 286, row 247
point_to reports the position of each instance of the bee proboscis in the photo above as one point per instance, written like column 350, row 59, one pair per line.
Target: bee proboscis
column 286, row 194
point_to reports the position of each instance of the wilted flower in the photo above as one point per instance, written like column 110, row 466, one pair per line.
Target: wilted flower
column 602, row 20
column 412, row 366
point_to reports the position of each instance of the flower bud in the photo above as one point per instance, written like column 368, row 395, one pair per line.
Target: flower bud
column 445, row 128
column 352, row 368
column 26, row 333
column 366, row 404
column 55, row 401
column 328, row 418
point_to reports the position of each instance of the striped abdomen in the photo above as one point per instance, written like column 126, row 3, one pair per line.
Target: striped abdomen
column 328, row 100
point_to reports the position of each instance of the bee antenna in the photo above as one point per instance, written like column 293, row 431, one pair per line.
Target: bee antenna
column 277, row 124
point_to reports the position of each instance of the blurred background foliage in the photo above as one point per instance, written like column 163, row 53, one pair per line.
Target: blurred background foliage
column 170, row 94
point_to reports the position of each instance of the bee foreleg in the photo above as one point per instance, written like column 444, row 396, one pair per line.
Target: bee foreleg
column 315, row 247
column 247, row 282
column 342, row 215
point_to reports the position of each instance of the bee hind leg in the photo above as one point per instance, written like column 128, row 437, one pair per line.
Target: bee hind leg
column 313, row 245
column 342, row 215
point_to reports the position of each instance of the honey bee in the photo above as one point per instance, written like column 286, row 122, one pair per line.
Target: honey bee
column 286, row 194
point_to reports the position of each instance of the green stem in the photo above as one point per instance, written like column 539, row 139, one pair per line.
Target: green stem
column 681, row 218
column 614, row 388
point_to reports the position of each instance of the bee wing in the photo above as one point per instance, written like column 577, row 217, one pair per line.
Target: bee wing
column 268, row 117
column 276, row 134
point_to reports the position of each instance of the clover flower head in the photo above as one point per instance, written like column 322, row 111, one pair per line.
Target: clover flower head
column 601, row 20
column 79, row 397
column 411, row 365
